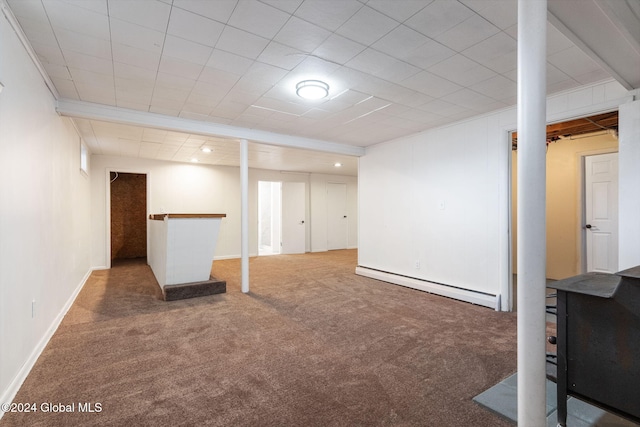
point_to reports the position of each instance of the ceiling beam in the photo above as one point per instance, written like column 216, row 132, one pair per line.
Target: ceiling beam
column 604, row 30
column 106, row 113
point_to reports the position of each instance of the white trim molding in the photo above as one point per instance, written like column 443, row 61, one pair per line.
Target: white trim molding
column 491, row 301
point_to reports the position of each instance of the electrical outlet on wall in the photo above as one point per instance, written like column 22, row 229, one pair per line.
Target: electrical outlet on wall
column 417, row 265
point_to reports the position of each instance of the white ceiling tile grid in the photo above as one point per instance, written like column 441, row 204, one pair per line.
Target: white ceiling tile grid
column 394, row 67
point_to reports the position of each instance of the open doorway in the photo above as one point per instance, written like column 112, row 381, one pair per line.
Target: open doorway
column 569, row 146
column 282, row 228
column 128, row 216
column 269, row 217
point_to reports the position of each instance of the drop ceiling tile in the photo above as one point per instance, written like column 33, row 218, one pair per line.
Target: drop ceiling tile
column 180, row 68
column 220, row 10
column 399, row 10
column 190, row 108
column 264, row 73
column 229, row 62
column 147, row 13
column 29, row 9
column 438, row 17
column 468, row 33
column 193, row 27
column 338, row 49
column 68, row 40
column 316, row 68
column 135, row 86
column 91, row 93
column 258, row 18
column 66, row 88
column 99, row 6
column 241, row 96
column 241, row 43
column 205, row 99
column 281, row 56
column 288, row 6
column 131, row 105
column 165, row 103
column 89, row 63
column 49, row 54
column 136, row 57
column 186, row 50
column 140, row 97
column 135, row 74
column 442, row 108
column 428, row 54
column 556, row 41
column 301, row 35
column 100, row 80
column 177, row 96
column 592, row 76
column 228, row 109
column 77, row 19
column 38, row 31
column 573, row 62
column 400, row 42
column 502, row 14
column 57, row 71
column 330, row 18
column 136, row 36
column 461, row 70
column 281, row 106
column 371, row 61
column 472, row 100
column 498, row 53
column 221, row 78
column 498, row 87
column 367, row 26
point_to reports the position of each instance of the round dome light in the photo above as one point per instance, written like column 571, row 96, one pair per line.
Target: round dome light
column 312, row 89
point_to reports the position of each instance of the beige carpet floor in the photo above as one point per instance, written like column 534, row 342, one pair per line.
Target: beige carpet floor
column 311, row 345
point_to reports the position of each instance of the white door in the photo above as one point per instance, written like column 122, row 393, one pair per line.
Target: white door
column 337, row 221
column 601, row 212
column 293, row 214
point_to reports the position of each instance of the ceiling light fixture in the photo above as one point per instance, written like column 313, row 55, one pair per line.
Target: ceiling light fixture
column 312, row 89
column 194, row 160
column 206, row 149
column 337, row 165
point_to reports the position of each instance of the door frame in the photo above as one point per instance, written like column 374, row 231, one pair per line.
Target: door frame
column 108, row 171
column 582, row 207
column 346, row 207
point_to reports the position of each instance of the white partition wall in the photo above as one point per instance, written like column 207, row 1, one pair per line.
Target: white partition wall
column 434, row 206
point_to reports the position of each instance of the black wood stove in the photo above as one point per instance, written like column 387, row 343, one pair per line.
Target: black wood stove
column 598, row 342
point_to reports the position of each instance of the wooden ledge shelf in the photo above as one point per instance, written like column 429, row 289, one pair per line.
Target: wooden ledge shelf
column 161, row 217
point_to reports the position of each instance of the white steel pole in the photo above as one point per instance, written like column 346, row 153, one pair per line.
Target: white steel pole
column 244, row 213
column 532, row 60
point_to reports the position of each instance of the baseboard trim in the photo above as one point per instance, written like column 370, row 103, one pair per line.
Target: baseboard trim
column 491, row 301
column 11, row 391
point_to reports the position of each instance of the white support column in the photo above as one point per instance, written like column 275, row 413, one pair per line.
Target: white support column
column 532, row 24
column 244, row 213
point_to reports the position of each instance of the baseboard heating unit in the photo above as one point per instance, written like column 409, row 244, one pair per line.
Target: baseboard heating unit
column 486, row 300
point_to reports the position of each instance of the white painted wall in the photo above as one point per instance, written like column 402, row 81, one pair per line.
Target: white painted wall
column 44, row 214
column 629, row 189
column 197, row 188
column 441, row 198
